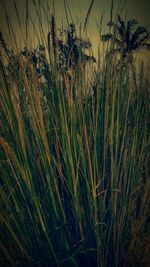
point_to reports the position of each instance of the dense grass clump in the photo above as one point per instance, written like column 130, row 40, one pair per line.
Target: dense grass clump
column 74, row 161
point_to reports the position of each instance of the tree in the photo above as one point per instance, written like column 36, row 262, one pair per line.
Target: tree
column 72, row 51
column 127, row 37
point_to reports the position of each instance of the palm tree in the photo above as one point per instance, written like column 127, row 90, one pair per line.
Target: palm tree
column 72, row 52
column 127, row 37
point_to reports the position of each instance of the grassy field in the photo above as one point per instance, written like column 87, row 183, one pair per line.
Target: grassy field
column 74, row 160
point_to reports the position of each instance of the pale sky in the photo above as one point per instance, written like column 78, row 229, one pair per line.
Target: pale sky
column 136, row 8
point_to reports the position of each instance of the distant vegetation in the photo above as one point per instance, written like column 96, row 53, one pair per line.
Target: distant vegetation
column 127, row 37
column 74, row 151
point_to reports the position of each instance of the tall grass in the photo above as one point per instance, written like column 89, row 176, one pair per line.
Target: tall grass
column 74, row 166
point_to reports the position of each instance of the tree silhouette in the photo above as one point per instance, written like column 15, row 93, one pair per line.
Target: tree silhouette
column 72, row 51
column 127, row 37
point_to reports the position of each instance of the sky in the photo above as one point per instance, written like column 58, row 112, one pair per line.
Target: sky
column 138, row 9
